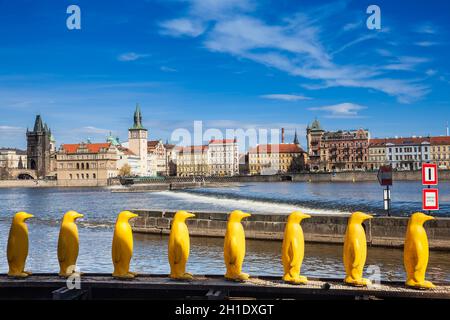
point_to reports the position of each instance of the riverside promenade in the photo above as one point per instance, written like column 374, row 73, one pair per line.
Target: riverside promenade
column 327, row 229
column 204, row 287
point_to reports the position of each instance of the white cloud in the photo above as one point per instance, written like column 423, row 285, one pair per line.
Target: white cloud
column 405, row 63
column 342, row 110
column 426, row 28
column 294, row 45
column 426, row 43
column 430, row 72
column 182, row 27
column 285, row 97
column 352, row 26
column 167, row 69
column 131, row 56
column 7, row 130
column 93, row 130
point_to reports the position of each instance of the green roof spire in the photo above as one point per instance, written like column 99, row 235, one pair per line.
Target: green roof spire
column 137, row 118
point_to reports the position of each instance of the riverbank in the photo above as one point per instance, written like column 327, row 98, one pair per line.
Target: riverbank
column 176, row 183
column 327, row 229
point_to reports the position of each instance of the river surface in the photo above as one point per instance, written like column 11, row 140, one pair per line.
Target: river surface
column 101, row 206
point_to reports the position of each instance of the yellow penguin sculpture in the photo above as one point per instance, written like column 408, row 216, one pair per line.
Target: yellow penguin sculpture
column 68, row 244
column 415, row 254
column 17, row 250
column 179, row 246
column 293, row 248
column 355, row 250
column 234, row 246
column 122, row 246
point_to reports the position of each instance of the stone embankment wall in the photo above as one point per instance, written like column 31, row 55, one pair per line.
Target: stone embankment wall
column 380, row 231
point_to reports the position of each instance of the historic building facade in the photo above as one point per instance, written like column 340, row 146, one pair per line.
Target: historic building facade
column 40, row 149
column 87, row 164
column 440, row 151
column 11, row 158
column 137, row 141
column 314, row 135
column 377, row 154
column 223, row 157
column 268, row 159
column 157, row 159
column 342, row 150
column 408, row 153
column 192, row 161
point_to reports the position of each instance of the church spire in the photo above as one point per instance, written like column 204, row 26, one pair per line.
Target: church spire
column 38, row 126
column 296, row 138
column 137, row 118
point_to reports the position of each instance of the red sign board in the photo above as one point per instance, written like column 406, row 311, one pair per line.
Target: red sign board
column 429, row 174
column 385, row 175
column 430, row 199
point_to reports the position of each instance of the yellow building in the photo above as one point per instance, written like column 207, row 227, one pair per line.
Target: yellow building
column 276, row 158
column 192, row 161
column 377, row 154
column 86, row 164
column 440, row 151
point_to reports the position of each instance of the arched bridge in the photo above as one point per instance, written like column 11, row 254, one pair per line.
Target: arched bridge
column 23, row 174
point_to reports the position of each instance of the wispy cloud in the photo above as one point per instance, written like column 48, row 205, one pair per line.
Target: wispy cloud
column 294, row 45
column 405, row 63
column 182, row 27
column 426, row 43
column 131, row 56
column 285, row 97
column 342, row 110
column 430, row 72
column 167, row 69
column 93, row 130
column 426, row 28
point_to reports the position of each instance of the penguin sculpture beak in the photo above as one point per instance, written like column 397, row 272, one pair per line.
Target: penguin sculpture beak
column 190, row 215
column 79, row 215
column 245, row 215
column 429, row 218
column 306, row 216
column 133, row 215
column 28, row 216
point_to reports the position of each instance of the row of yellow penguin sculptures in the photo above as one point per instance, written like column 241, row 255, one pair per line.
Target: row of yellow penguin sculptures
column 416, row 251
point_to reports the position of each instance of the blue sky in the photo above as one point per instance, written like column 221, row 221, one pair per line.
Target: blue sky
column 232, row 64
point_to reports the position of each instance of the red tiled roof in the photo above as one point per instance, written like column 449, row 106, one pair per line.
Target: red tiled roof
column 440, row 140
column 126, row 151
column 377, row 142
column 222, row 141
column 152, row 143
column 193, row 149
column 92, row 147
column 277, row 148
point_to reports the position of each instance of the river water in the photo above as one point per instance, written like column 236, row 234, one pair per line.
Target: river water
column 100, row 207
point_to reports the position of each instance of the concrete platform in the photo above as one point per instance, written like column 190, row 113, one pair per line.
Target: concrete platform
column 103, row 286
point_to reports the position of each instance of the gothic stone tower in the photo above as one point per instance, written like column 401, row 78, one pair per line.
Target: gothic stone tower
column 137, row 141
column 38, row 148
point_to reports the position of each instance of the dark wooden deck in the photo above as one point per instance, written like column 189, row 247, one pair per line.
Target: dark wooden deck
column 103, row 286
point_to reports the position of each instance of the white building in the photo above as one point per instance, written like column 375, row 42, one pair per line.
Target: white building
column 137, row 142
column 156, row 158
column 223, row 157
column 407, row 153
column 13, row 158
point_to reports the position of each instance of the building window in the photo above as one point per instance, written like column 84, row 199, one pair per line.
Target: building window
column 78, row 166
column 70, row 176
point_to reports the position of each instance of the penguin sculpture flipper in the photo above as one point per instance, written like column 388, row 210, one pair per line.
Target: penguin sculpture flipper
column 231, row 254
column 61, row 250
column 116, row 251
column 293, row 252
column 420, row 262
column 10, row 251
column 178, row 252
